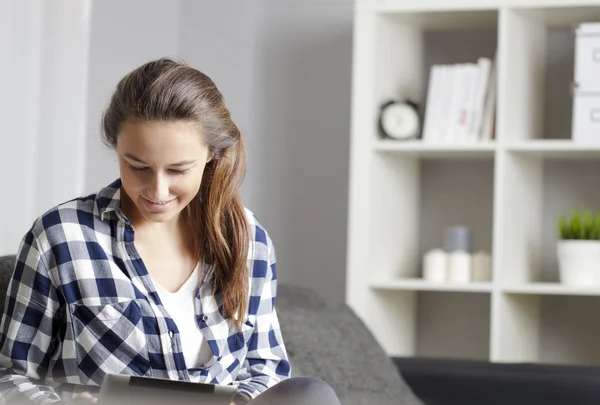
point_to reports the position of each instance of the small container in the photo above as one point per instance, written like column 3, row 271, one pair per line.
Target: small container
column 435, row 266
column 459, row 267
column 458, row 238
column 481, row 266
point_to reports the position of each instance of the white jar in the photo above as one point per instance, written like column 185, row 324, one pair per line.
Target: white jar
column 481, row 264
column 459, row 267
column 435, row 266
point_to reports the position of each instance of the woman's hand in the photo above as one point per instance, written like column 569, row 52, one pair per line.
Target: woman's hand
column 84, row 399
column 239, row 400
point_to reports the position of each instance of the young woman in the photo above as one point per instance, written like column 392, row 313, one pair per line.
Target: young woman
column 163, row 273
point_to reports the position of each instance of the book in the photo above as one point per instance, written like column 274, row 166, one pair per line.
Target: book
column 489, row 111
column 461, row 102
column 484, row 66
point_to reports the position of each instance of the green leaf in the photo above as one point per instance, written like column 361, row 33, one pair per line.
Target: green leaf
column 596, row 227
column 563, row 228
column 587, row 226
column 575, row 225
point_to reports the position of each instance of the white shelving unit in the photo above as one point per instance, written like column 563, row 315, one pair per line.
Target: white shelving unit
column 508, row 191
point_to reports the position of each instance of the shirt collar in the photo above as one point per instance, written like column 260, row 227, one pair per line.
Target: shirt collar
column 108, row 200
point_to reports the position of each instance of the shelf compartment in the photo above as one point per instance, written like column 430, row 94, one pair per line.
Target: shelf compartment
column 407, row 43
column 413, row 201
column 537, row 45
column 551, row 329
column 456, row 192
column 430, row 324
column 453, row 325
column 536, row 189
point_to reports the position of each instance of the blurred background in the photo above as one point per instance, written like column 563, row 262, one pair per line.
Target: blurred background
column 284, row 69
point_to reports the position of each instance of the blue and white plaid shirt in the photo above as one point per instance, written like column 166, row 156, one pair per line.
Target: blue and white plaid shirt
column 81, row 304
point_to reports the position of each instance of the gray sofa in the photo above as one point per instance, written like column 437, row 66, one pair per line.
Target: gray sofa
column 325, row 340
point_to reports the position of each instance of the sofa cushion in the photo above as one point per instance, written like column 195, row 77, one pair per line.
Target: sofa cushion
column 327, row 340
column 7, row 264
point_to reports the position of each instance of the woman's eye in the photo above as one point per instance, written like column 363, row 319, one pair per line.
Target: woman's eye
column 137, row 169
column 143, row 169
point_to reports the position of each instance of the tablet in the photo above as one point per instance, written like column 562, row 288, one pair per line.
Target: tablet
column 125, row 389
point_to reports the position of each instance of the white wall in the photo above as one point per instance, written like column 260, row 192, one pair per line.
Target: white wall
column 217, row 38
column 303, row 54
column 124, row 35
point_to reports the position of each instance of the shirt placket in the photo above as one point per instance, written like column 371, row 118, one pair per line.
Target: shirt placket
column 140, row 279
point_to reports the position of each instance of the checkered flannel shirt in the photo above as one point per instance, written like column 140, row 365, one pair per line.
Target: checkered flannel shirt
column 81, row 304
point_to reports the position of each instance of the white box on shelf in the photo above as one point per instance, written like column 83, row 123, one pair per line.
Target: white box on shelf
column 587, row 56
column 586, row 117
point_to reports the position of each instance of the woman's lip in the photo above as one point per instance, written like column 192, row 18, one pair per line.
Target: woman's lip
column 157, row 208
column 158, row 203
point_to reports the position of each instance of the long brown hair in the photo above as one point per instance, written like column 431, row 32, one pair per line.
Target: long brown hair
column 169, row 90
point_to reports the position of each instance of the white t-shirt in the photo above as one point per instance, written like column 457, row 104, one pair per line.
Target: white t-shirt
column 180, row 306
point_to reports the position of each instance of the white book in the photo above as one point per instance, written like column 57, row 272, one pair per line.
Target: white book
column 483, row 78
column 466, row 102
column 489, row 111
column 431, row 127
column 454, row 104
column 445, row 94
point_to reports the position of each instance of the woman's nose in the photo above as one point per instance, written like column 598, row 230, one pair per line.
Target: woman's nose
column 160, row 188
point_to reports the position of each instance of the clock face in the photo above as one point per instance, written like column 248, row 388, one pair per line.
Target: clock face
column 400, row 121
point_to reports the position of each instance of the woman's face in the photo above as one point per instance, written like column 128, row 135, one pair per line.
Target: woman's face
column 161, row 165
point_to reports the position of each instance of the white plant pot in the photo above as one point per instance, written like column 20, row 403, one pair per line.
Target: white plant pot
column 579, row 262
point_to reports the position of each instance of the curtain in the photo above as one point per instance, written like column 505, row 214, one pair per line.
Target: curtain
column 43, row 92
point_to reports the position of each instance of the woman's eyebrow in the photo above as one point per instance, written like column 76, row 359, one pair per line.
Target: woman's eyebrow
column 131, row 157
column 182, row 163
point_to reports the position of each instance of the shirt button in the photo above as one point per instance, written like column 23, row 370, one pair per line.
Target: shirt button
column 171, row 334
column 204, row 318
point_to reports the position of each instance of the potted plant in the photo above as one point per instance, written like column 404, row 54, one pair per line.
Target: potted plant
column 578, row 248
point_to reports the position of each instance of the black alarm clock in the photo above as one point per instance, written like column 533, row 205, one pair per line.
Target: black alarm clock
column 399, row 120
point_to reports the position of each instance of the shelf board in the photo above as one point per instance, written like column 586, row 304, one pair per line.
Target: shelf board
column 556, row 149
column 422, row 285
column 551, row 289
column 424, row 149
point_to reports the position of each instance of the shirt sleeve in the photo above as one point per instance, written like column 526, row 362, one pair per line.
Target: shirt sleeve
column 27, row 329
column 266, row 362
